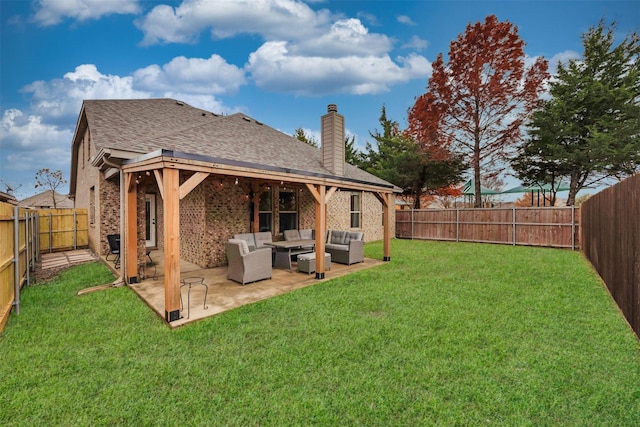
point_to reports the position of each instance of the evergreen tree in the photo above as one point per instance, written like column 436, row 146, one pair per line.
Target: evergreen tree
column 397, row 158
column 590, row 129
column 301, row 135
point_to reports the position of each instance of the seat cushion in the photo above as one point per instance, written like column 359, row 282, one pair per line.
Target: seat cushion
column 244, row 248
column 306, row 234
column 262, row 238
column 353, row 235
column 291, row 235
column 247, row 237
column 337, row 237
column 336, row 247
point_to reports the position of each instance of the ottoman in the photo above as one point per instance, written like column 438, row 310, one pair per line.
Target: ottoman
column 307, row 262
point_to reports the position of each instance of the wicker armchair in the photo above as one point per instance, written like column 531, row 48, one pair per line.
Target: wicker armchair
column 244, row 266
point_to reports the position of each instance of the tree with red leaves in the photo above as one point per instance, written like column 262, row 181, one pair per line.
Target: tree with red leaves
column 477, row 102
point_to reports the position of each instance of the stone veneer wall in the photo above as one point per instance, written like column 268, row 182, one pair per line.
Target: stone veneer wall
column 108, row 203
column 306, row 210
column 227, row 213
column 216, row 210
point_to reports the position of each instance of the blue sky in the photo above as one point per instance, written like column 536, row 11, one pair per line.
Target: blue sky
column 279, row 61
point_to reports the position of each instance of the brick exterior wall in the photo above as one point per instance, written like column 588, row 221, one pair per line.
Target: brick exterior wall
column 210, row 215
column 339, row 215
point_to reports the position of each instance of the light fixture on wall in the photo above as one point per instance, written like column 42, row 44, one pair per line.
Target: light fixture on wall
column 236, row 180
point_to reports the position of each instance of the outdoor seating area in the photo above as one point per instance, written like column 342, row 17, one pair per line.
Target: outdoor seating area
column 223, row 294
column 345, row 247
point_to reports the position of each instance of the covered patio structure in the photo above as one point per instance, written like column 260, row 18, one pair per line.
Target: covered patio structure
column 163, row 175
column 167, row 167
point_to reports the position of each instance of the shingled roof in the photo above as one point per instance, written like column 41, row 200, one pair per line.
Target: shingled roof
column 44, row 200
column 145, row 126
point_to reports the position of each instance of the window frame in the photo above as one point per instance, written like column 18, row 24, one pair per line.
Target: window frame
column 357, row 212
column 282, row 211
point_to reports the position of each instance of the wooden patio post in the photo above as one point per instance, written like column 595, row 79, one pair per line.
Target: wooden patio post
column 321, row 226
column 171, row 207
column 387, row 205
column 387, row 209
column 130, row 245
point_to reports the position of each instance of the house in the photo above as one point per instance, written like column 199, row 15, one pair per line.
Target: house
column 167, row 175
column 45, row 200
column 8, row 198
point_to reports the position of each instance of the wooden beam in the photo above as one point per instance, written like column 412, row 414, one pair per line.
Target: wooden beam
column 192, row 183
column 314, row 192
column 321, row 230
column 171, row 207
column 387, row 209
column 330, row 193
column 159, row 183
column 130, row 244
column 381, row 197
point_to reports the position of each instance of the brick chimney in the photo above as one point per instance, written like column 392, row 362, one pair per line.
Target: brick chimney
column 332, row 139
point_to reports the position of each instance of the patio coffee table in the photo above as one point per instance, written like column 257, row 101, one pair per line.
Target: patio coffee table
column 286, row 248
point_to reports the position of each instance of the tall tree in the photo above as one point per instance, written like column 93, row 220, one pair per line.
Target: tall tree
column 590, row 129
column 397, row 158
column 301, row 135
column 351, row 153
column 476, row 102
column 50, row 180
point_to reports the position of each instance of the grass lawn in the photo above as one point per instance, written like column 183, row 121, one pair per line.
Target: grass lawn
column 445, row 334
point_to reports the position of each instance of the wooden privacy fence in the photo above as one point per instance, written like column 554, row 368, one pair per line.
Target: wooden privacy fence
column 18, row 255
column 24, row 234
column 556, row 227
column 63, row 229
column 611, row 241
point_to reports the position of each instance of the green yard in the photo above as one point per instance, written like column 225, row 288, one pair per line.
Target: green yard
column 445, row 334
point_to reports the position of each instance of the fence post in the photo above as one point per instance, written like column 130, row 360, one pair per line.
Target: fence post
column 412, row 224
column 573, row 228
column 50, row 232
column 75, row 230
column 16, row 258
column 457, row 225
column 514, row 226
column 27, row 249
column 37, row 234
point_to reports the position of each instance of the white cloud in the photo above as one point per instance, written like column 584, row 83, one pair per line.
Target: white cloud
column 20, row 130
column 404, row 19
column 193, row 75
column 345, row 37
column 416, row 43
column 272, row 19
column 60, row 99
column 274, row 68
column 31, row 144
column 51, row 12
column 563, row 57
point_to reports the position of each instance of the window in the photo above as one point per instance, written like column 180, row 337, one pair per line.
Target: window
column 288, row 207
column 266, row 211
column 92, row 205
column 356, row 209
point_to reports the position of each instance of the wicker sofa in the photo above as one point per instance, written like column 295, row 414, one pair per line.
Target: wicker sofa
column 345, row 247
column 255, row 240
